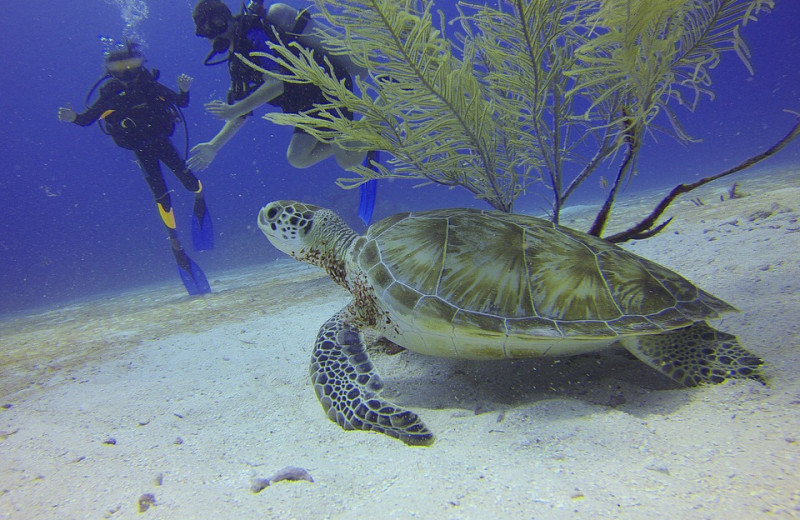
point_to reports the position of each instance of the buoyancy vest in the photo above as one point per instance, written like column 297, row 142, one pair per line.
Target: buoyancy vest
column 139, row 111
column 255, row 34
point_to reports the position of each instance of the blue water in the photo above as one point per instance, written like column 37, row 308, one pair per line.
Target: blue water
column 77, row 219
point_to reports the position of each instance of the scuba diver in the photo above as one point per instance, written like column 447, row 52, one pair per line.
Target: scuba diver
column 250, row 31
column 139, row 113
column 254, row 30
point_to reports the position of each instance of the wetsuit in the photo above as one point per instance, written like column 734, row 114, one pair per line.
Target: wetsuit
column 251, row 34
column 139, row 116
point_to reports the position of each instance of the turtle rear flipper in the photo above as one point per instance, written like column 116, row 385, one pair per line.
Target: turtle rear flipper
column 348, row 387
column 696, row 354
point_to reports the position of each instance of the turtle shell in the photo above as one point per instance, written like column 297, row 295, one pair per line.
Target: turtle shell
column 497, row 279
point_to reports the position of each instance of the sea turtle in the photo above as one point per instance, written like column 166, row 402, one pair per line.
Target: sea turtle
column 478, row 284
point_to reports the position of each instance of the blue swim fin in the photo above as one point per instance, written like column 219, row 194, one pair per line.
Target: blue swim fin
column 194, row 279
column 202, row 228
column 368, row 190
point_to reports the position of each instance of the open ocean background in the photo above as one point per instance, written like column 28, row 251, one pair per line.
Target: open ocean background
column 77, row 218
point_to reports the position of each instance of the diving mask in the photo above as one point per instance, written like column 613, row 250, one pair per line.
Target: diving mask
column 123, row 65
column 211, row 18
column 126, row 69
column 212, row 26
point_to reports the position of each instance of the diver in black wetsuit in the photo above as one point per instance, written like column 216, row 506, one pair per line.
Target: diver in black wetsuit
column 139, row 113
column 251, row 31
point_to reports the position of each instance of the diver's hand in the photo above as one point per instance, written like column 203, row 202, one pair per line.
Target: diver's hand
column 67, row 114
column 203, row 155
column 222, row 110
column 185, row 82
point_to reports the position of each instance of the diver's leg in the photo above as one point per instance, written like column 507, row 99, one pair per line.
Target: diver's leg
column 170, row 156
column 202, row 229
column 304, row 150
column 148, row 161
column 348, row 158
column 192, row 276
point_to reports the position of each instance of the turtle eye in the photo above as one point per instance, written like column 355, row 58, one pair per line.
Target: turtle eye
column 271, row 212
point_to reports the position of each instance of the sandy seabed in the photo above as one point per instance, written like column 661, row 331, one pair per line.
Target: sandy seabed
column 154, row 405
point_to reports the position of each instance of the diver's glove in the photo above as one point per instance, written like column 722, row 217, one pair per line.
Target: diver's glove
column 184, row 82
column 67, row 114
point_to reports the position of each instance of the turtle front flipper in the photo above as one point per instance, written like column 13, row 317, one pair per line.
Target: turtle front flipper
column 348, row 387
column 696, row 354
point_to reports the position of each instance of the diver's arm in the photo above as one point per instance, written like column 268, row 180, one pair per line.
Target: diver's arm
column 285, row 18
column 96, row 110
column 203, row 154
column 91, row 114
column 184, row 84
column 68, row 115
column 269, row 90
column 180, row 98
column 228, row 131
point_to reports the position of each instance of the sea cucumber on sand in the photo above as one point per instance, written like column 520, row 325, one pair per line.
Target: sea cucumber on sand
column 287, row 473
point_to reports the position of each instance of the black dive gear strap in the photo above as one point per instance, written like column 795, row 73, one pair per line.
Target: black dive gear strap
column 218, row 46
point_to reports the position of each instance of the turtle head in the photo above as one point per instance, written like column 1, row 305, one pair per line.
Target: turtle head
column 307, row 232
